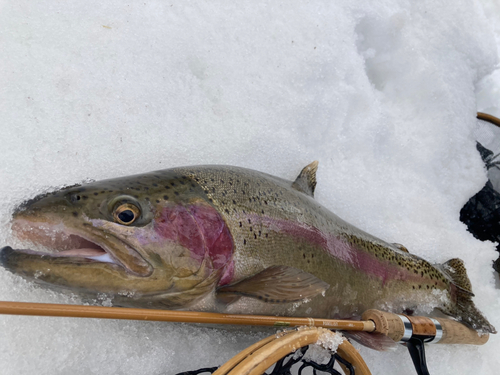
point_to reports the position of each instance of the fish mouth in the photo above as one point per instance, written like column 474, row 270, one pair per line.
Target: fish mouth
column 55, row 241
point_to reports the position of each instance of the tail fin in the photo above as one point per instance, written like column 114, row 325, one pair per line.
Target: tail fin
column 464, row 309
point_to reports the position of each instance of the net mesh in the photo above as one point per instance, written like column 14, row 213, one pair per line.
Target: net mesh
column 297, row 363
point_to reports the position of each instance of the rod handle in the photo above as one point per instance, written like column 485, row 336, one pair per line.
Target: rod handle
column 450, row 332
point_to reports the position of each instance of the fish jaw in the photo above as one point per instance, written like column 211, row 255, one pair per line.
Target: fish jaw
column 79, row 240
column 82, row 258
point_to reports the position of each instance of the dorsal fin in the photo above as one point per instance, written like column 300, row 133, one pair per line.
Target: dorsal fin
column 455, row 269
column 306, row 182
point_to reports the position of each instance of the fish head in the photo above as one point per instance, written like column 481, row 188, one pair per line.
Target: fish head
column 146, row 240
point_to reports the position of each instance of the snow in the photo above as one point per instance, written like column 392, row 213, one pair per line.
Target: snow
column 383, row 94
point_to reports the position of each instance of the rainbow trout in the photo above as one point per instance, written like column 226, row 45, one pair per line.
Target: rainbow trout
column 226, row 239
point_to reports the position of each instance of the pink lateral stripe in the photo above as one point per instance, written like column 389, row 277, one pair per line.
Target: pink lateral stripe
column 338, row 248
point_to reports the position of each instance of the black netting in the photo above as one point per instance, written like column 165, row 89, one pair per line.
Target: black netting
column 481, row 213
column 201, row 371
column 296, row 362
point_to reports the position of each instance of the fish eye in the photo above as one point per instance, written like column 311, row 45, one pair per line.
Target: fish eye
column 126, row 213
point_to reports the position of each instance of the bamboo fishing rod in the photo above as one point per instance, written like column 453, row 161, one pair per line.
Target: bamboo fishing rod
column 102, row 312
column 397, row 327
column 490, row 118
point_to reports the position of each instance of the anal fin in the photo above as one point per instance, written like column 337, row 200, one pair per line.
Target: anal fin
column 375, row 341
column 276, row 284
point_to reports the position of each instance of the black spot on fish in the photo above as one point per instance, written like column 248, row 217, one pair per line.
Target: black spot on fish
column 165, row 197
column 244, row 242
column 241, row 224
column 74, row 198
column 172, row 183
column 75, row 214
column 227, row 211
column 96, row 193
column 157, row 201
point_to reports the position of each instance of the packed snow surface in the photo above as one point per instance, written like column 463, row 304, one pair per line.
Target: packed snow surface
column 382, row 93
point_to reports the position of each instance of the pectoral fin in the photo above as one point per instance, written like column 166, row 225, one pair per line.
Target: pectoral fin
column 277, row 284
